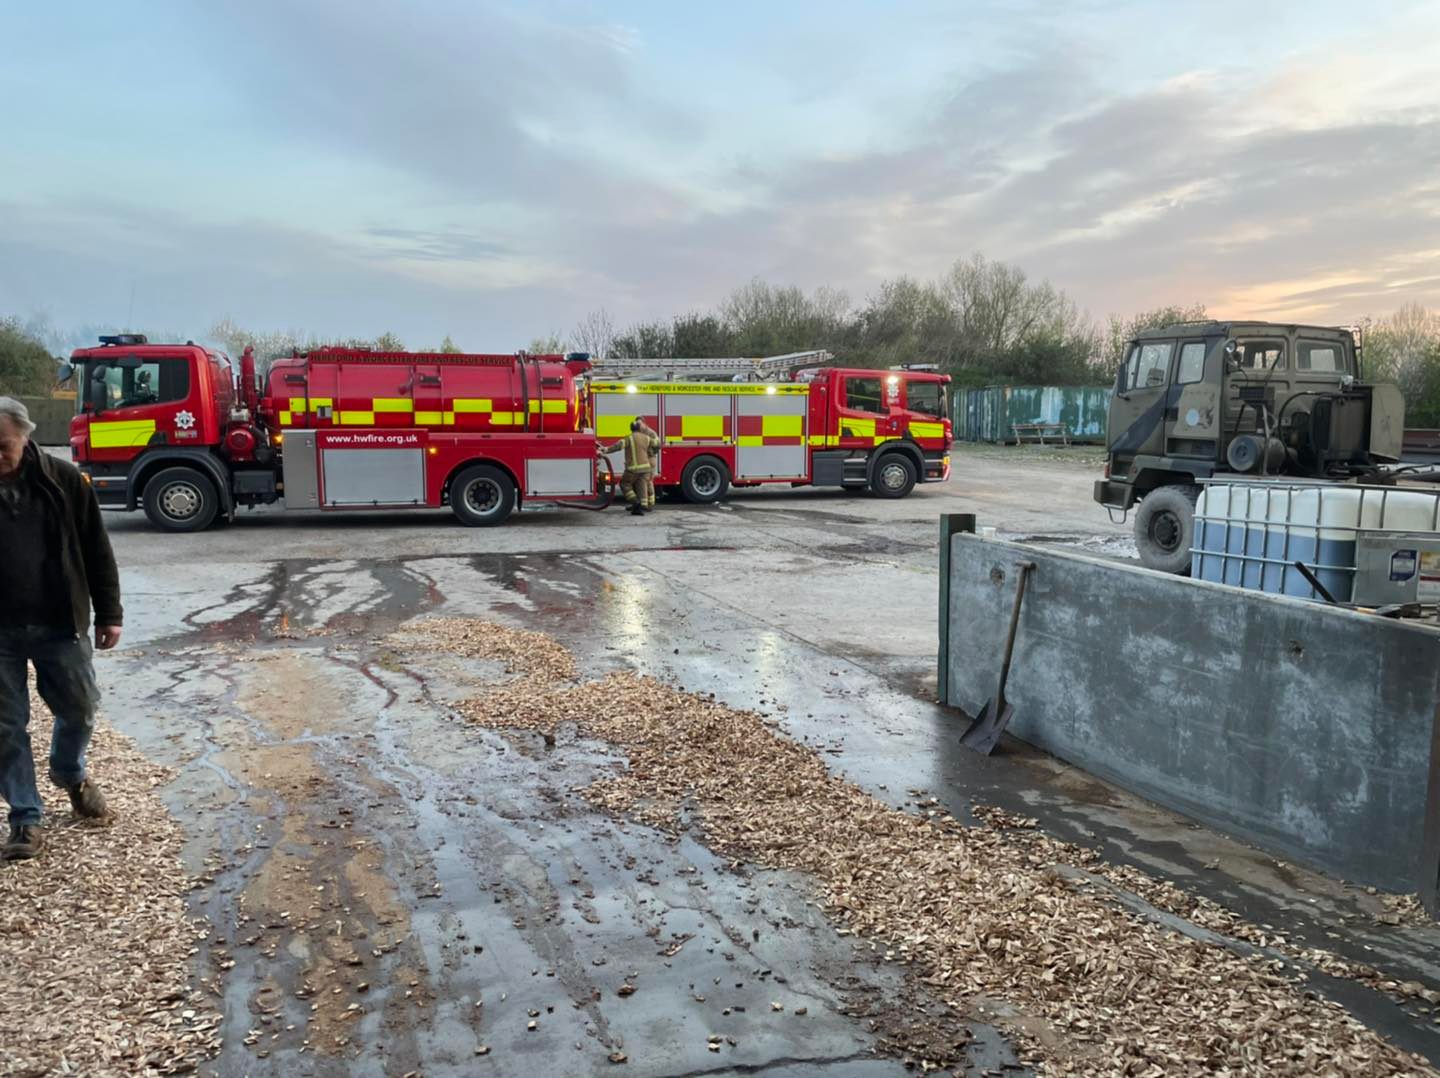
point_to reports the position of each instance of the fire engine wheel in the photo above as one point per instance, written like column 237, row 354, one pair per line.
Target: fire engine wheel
column 1165, row 528
column 894, row 476
column 482, row 496
column 705, row 480
column 180, row 500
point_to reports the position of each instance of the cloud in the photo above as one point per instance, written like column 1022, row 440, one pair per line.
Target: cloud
column 423, row 245
column 486, row 107
column 496, row 174
column 113, row 263
column 1127, row 201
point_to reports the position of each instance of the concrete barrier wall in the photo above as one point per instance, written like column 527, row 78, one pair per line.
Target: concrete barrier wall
column 51, row 418
column 1309, row 731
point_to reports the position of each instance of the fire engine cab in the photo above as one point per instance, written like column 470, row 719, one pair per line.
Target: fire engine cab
column 175, row 430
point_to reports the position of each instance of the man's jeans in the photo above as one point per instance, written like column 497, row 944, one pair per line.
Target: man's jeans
column 65, row 679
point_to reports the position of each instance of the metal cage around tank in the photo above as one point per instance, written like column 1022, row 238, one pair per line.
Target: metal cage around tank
column 1256, row 543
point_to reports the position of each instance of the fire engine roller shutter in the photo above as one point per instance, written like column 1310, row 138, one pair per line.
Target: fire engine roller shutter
column 772, row 436
column 374, row 476
column 556, row 477
column 614, row 412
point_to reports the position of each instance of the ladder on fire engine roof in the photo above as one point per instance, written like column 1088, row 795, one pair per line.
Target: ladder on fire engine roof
column 670, row 367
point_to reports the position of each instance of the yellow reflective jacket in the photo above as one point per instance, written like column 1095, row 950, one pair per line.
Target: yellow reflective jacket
column 640, row 449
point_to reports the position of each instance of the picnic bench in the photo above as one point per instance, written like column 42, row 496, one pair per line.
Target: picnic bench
column 1040, row 431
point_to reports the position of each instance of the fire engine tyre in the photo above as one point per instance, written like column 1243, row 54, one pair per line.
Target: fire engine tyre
column 1165, row 528
column 894, row 476
column 482, row 496
column 705, row 480
column 180, row 500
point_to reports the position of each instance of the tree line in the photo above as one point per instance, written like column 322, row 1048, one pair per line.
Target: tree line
column 982, row 322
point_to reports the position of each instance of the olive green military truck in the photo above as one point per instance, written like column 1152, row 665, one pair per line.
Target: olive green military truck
column 1202, row 399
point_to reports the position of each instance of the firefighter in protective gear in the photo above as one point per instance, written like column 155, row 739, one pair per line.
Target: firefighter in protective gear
column 638, row 483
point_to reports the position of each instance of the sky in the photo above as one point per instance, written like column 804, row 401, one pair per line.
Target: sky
column 496, row 171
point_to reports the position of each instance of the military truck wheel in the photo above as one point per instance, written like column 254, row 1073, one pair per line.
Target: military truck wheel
column 705, row 480
column 894, row 476
column 482, row 496
column 180, row 500
column 1165, row 528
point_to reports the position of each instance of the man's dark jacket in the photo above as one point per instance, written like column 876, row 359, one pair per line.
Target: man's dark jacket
column 86, row 562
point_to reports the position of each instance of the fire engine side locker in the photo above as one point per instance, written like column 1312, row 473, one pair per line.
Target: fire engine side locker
column 614, row 412
column 772, row 433
column 363, row 476
column 560, row 477
column 698, row 417
column 331, row 469
column 301, row 470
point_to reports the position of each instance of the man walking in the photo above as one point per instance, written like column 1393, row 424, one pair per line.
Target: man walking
column 638, row 482
column 56, row 564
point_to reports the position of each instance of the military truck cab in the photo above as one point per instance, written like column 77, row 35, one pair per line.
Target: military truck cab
column 1194, row 400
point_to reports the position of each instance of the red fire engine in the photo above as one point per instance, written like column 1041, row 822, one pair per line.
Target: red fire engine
column 170, row 428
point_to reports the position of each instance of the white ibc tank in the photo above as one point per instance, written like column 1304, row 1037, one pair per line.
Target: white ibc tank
column 1251, row 533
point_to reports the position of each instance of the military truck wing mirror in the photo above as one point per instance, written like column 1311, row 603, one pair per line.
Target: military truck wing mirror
column 1232, row 355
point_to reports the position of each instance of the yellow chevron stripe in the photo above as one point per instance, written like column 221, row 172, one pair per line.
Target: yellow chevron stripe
column 120, row 433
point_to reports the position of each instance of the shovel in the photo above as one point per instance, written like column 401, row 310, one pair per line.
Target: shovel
column 984, row 733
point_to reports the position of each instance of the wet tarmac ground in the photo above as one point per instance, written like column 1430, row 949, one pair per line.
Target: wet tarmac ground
column 393, row 891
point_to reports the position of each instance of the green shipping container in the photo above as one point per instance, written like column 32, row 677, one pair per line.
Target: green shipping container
column 989, row 414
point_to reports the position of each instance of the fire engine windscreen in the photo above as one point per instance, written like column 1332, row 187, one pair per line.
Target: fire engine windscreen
column 928, row 398
column 128, row 381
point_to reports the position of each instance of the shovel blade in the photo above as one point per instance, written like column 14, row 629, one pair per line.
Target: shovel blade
column 984, row 733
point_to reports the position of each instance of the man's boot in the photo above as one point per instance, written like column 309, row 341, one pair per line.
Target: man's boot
column 636, row 511
column 86, row 800
column 24, row 842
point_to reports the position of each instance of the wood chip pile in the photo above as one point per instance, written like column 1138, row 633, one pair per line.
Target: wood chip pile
column 95, row 939
column 535, row 655
column 978, row 912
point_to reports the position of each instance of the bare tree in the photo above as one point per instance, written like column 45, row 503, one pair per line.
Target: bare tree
column 550, row 345
column 1123, row 329
column 765, row 319
column 595, row 334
